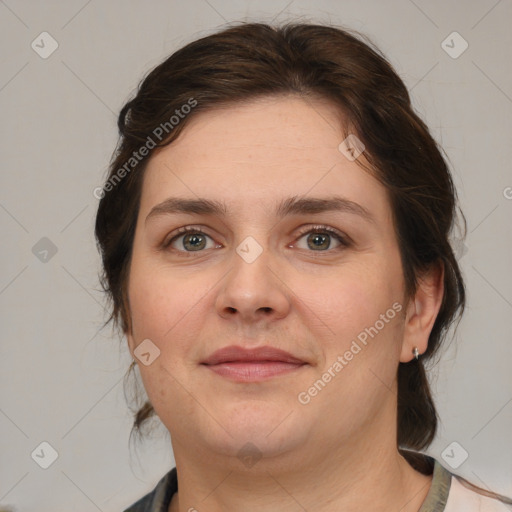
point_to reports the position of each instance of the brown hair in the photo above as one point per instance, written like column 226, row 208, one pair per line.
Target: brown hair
column 251, row 60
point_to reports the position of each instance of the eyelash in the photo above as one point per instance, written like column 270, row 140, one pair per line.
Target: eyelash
column 309, row 229
column 325, row 229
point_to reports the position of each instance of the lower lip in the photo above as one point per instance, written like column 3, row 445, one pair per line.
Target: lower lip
column 253, row 372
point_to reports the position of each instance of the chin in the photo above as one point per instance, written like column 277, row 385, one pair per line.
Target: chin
column 266, row 429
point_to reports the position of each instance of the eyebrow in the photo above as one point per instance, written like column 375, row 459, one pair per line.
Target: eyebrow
column 289, row 206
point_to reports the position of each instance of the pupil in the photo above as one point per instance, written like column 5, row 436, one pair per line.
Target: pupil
column 318, row 238
column 194, row 240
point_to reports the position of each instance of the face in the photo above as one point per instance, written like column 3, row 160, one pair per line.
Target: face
column 320, row 280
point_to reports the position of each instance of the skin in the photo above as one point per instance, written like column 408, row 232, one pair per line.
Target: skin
column 337, row 452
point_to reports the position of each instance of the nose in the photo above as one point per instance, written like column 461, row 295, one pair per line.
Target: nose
column 253, row 290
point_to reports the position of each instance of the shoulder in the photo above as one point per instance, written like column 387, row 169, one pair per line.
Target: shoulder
column 451, row 493
column 159, row 498
column 460, row 498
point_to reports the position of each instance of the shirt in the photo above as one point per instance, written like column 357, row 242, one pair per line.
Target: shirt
column 446, row 494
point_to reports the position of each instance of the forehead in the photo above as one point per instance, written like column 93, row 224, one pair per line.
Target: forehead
column 258, row 152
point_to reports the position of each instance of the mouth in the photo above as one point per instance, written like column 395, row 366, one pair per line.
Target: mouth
column 252, row 365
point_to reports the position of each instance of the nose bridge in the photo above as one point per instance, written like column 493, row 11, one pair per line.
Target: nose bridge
column 252, row 288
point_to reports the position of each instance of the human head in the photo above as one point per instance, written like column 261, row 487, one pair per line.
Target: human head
column 252, row 61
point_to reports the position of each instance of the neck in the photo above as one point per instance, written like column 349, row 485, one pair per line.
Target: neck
column 361, row 476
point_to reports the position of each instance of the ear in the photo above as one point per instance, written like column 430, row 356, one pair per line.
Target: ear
column 422, row 312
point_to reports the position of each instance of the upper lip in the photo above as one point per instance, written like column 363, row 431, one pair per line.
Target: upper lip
column 235, row 353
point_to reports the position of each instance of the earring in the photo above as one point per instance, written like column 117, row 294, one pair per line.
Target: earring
column 416, row 353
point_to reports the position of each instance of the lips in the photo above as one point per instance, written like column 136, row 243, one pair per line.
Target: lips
column 241, row 365
column 236, row 354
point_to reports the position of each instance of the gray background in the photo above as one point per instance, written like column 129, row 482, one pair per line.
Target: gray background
column 62, row 374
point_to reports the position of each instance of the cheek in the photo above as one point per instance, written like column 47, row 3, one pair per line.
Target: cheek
column 161, row 298
column 360, row 309
column 166, row 310
column 352, row 298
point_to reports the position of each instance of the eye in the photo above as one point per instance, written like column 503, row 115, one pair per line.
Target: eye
column 320, row 237
column 193, row 240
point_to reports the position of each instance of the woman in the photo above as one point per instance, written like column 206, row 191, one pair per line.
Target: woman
column 274, row 233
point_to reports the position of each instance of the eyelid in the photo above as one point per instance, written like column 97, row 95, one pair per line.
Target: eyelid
column 324, row 229
column 182, row 231
column 344, row 240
